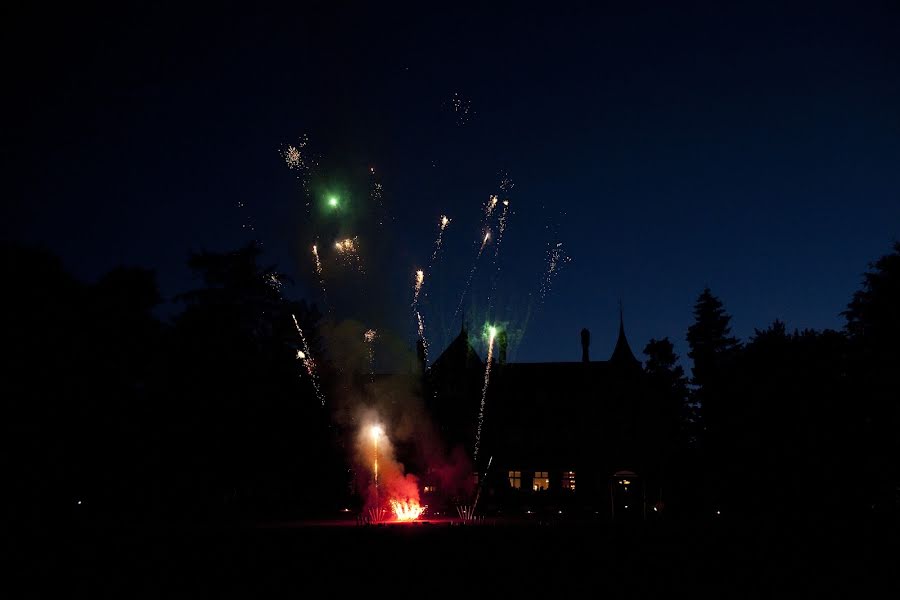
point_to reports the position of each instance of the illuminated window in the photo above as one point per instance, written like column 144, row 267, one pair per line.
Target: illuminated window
column 515, row 479
column 541, row 480
column 429, row 489
column 568, row 480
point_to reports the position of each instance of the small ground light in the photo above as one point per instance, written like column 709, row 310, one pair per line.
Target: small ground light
column 654, row 509
column 78, row 503
column 718, row 512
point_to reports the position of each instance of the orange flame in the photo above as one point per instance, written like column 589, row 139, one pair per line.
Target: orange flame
column 406, row 511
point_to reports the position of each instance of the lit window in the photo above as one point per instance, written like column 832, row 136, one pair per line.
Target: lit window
column 515, row 479
column 541, row 480
column 568, row 480
column 429, row 489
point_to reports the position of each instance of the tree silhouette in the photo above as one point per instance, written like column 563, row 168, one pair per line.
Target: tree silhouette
column 709, row 338
column 873, row 324
column 712, row 349
column 78, row 387
column 668, row 424
column 670, row 387
column 251, row 422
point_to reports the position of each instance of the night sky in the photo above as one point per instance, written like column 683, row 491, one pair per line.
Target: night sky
column 754, row 150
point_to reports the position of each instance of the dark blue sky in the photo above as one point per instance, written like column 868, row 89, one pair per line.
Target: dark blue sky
column 753, row 149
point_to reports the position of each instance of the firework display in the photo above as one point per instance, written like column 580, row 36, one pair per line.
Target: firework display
column 393, row 494
column 492, row 335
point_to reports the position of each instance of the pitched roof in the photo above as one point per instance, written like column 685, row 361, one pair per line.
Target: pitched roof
column 459, row 353
column 622, row 353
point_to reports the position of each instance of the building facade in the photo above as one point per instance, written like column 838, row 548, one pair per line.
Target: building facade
column 556, row 437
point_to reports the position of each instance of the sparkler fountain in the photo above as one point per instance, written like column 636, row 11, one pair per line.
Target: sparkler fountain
column 492, row 334
column 376, row 432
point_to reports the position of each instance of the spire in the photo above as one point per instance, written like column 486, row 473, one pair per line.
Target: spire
column 622, row 352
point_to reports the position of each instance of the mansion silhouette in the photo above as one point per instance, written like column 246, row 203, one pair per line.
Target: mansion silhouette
column 557, row 436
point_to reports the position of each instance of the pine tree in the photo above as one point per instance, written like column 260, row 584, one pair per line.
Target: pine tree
column 709, row 338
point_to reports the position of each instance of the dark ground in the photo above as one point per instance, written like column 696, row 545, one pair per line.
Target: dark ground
column 713, row 558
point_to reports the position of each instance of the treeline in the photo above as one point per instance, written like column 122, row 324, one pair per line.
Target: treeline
column 111, row 412
column 789, row 424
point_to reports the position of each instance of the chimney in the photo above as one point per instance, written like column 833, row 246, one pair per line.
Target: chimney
column 503, row 346
column 585, row 345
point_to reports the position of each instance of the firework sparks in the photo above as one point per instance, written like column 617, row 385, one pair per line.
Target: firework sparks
column 490, row 205
column 247, row 225
column 406, row 510
column 306, row 358
column 315, row 250
column 492, row 334
column 420, row 279
column 442, row 225
column 376, row 195
column 556, row 258
column 376, row 431
column 421, row 330
column 420, row 321
column 348, row 250
column 347, row 245
column 296, row 159
column 463, row 109
column 274, row 282
column 321, row 276
column 292, row 157
column 487, row 237
column 369, row 337
column 502, row 221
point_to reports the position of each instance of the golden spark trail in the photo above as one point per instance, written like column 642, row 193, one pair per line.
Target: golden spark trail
column 503, row 216
column 308, row 362
column 376, row 431
column 297, row 160
column 487, row 236
column 490, row 206
column 376, row 193
column 502, row 227
column 442, row 225
column 315, row 250
column 492, row 333
column 369, row 337
column 420, row 279
column 421, row 331
column 556, row 258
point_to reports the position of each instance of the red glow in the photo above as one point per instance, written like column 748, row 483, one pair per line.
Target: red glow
column 406, row 511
